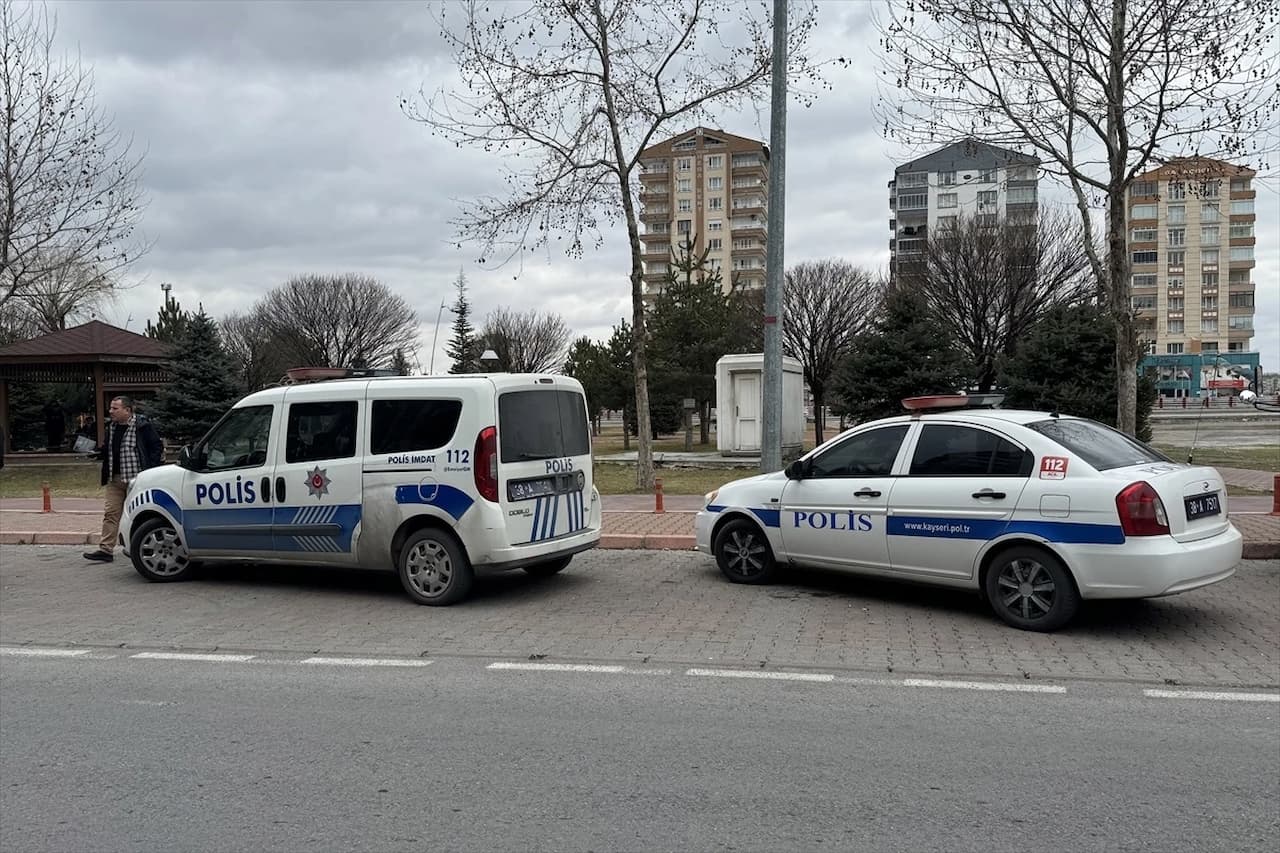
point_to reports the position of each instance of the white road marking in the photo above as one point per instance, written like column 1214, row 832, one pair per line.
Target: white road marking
column 1220, row 696
column 189, row 656
column 26, row 651
column 556, row 667
column 368, row 661
column 772, row 676
column 983, row 685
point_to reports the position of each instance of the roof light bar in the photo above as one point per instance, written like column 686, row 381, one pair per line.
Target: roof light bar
column 935, row 402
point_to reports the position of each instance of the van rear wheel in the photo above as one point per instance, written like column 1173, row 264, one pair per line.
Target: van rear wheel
column 549, row 568
column 433, row 568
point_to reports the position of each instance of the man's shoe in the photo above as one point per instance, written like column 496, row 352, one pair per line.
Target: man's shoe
column 99, row 556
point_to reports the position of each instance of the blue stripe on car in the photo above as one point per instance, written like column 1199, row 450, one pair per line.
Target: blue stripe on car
column 1075, row 533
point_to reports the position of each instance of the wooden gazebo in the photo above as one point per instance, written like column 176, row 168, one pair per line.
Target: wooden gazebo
column 115, row 360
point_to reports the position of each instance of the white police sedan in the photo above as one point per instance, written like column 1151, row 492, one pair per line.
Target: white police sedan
column 1035, row 510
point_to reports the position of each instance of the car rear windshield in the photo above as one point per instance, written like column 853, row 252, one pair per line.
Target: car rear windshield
column 542, row 424
column 1099, row 445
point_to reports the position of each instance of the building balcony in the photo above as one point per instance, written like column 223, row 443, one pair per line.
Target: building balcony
column 742, row 208
column 655, row 211
column 1241, row 265
column 755, row 169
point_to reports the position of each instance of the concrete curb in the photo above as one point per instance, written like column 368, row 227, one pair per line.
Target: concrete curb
column 47, row 538
column 646, row 541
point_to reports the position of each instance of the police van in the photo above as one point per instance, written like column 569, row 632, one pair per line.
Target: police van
column 436, row 477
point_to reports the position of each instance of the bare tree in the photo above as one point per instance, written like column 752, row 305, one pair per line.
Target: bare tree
column 828, row 302
column 526, row 342
column 71, row 185
column 347, row 320
column 1101, row 89
column 66, row 292
column 989, row 283
column 578, row 89
column 256, row 357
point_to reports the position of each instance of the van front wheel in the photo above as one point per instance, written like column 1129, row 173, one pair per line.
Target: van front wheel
column 433, row 569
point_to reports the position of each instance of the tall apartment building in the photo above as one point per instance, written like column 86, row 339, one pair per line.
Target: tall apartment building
column 1190, row 231
column 711, row 187
column 964, row 179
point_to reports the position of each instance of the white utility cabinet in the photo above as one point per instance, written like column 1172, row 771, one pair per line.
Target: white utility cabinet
column 740, row 405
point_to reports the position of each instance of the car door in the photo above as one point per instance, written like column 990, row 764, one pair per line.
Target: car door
column 317, row 483
column 835, row 515
column 960, row 491
column 226, row 493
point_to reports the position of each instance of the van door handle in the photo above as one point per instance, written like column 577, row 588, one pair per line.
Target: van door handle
column 266, row 490
column 279, row 490
column 987, row 493
column 866, row 493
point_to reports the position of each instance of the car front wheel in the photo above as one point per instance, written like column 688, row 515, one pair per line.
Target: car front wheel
column 158, row 552
column 743, row 554
column 1029, row 588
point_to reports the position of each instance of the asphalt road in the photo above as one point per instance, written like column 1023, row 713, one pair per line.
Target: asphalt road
column 107, row 751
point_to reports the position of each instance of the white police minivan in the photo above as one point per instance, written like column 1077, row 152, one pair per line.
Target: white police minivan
column 437, row 477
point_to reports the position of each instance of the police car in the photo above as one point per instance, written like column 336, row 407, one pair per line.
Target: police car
column 436, row 477
column 1035, row 510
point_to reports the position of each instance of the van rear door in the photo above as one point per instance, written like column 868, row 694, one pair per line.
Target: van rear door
column 544, row 460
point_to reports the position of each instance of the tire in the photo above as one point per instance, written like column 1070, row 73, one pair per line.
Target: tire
column 158, row 552
column 433, row 568
column 743, row 554
column 549, row 568
column 1029, row 588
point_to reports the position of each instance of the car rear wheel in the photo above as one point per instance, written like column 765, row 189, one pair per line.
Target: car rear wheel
column 158, row 552
column 743, row 554
column 1029, row 588
column 433, row 568
column 549, row 568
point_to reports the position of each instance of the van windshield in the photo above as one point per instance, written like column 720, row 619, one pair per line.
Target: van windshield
column 542, row 424
column 1101, row 446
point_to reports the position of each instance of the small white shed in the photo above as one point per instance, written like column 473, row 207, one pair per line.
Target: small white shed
column 740, row 405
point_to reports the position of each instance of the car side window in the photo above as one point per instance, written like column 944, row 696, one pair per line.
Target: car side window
column 868, row 454
column 953, row 450
column 239, row 440
column 320, row 431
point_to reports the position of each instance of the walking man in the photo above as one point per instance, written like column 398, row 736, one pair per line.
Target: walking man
column 132, row 446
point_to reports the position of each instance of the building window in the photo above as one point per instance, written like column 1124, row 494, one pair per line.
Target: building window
column 1241, row 300
column 1209, row 346
column 715, row 183
column 1142, row 188
column 1209, row 303
column 1173, row 349
column 1143, row 211
column 1144, row 280
column 1209, row 325
column 945, row 222
column 1209, row 189
column 1022, row 173
column 1021, row 195
column 913, row 179
column 1177, row 236
column 715, row 161
column 715, row 225
column 987, row 176
column 1175, row 284
column 946, row 200
column 1144, row 303
column 1176, row 327
column 946, row 179
column 1243, row 207
column 684, row 205
column 1240, row 321
column 1209, row 211
column 1241, row 253
column 987, row 220
column 684, row 164
column 918, row 201
column 715, row 202
column 1209, row 235
column 1145, row 257
column 1235, row 346
column 1143, row 235
column 1238, row 277
column 1244, row 229
column 1177, row 214
column 1175, row 303
column 987, row 199
column 715, row 244
column 1177, row 190
column 1208, row 280
column 1239, row 185
column 1209, row 258
column 684, row 226
column 684, row 185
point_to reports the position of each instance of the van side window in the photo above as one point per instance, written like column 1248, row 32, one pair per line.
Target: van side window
column 239, row 440
column 401, row 426
column 320, row 431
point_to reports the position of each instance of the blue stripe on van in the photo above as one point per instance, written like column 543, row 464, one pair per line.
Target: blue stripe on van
column 451, row 499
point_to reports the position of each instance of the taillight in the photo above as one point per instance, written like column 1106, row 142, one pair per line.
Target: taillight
column 486, row 463
column 1141, row 511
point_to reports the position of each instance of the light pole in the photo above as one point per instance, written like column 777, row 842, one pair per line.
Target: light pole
column 431, row 368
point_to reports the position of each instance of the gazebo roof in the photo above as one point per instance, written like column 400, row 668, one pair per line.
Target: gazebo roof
column 92, row 341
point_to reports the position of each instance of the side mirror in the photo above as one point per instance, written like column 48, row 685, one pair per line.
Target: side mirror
column 187, row 458
column 796, row 470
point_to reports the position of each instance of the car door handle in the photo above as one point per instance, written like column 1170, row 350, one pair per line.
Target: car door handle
column 866, row 493
column 266, row 490
column 987, row 493
column 279, row 490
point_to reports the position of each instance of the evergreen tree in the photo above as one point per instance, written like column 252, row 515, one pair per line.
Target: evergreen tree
column 587, row 362
column 463, row 346
column 906, row 353
column 1066, row 363
column 203, row 387
column 171, row 323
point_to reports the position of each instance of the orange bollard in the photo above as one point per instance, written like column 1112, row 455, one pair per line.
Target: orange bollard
column 1275, row 495
column 48, row 501
column 657, row 495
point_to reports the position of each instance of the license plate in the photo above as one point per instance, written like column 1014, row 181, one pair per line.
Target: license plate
column 1203, row 505
column 524, row 490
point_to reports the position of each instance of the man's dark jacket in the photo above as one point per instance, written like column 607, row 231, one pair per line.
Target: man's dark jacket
column 146, row 441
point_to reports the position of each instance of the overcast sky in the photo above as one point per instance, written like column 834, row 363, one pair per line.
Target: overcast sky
column 275, row 146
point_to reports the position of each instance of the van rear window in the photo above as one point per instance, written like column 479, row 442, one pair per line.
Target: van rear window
column 1099, row 445
column 542, row 424
column 401, row 426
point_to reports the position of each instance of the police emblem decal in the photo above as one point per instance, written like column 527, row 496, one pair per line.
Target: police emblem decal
column 318, row 482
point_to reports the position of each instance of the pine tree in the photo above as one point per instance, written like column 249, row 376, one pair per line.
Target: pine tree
column 171, row 323
column 463, row 347
column 203, row 386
